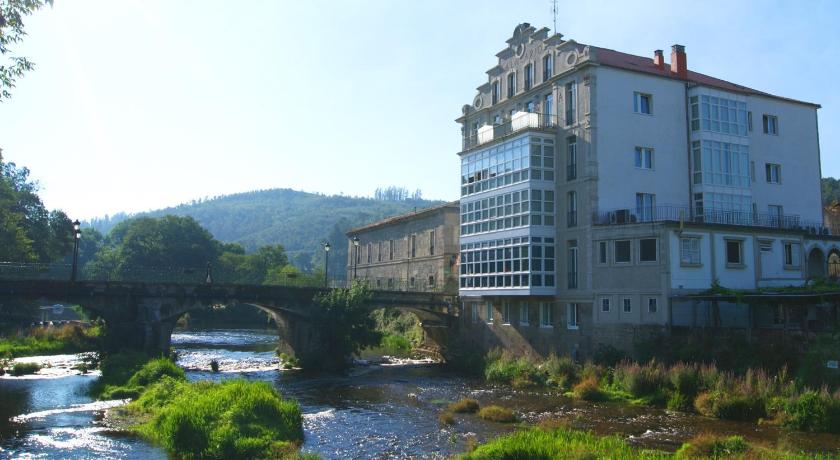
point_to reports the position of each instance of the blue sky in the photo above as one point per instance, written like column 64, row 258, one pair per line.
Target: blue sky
column 143, row 104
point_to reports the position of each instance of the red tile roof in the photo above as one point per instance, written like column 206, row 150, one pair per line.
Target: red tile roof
column 635, row 63
column 403, row 217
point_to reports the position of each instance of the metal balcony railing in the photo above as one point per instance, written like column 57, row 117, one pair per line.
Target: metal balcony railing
column 709, row 216
column 517, row 122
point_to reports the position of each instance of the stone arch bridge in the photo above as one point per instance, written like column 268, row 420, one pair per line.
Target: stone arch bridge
column 141, row 316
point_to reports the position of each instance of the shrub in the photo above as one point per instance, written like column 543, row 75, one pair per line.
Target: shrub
column 214, row 365
column 730, row 406
column 153, row 370
column 19, row 369
column 709, row 446
column 640, row 380
column 464, row 406
column 497, row 414
column 685, row 379
column 233, row 419
column 446, row 418
column 395, row 345
column 560, row 369
column 608, row 355
column 505, row 368
column 588, row 390
column 813, row 411
column 126, row 375
column 679, row 402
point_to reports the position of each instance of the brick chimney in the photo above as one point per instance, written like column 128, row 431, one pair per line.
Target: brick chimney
column 659, row 59
column 679, row 65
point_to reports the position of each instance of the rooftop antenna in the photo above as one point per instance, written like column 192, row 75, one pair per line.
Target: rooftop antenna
column 554, row 12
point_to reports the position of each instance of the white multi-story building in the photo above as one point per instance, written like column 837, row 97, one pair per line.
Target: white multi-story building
column 600, row 188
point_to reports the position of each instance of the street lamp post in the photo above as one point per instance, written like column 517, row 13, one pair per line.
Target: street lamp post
column 326, row 263
column 355, row 255
column 77, row 235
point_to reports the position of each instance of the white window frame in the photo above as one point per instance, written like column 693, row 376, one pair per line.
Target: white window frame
column 771, row 124
column 653, row 302
column 637, row 103
column 792, row 249
column 639, row 156
column 572, row 316
column 506, row 313
column 773, row 173
column 546, row 315
column 655, row 253
column 603, row 249
column 475, row 315
column 489, row 310
column 740, row 263
column 627, row 305
column 615, row 253
column 524, row 314
column 694, row 240
column 605, row 302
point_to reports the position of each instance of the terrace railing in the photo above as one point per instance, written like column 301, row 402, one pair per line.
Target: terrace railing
column 519, row 121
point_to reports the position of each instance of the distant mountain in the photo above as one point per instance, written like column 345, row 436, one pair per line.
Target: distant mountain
column 300, row 221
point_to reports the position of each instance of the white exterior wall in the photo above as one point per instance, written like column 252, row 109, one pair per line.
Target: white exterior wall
column 620, row 131
column 796, row 148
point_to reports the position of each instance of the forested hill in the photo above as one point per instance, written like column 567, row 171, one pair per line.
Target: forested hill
column 300, row 221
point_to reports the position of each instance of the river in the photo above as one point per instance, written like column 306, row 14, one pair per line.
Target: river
column 377, row 411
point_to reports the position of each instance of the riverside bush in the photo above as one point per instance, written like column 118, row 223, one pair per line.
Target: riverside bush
column 588, row 389
column 69, row 338
column 640, row 380
column 497, row 414
column 232, row 419
column 126, row 375
column 464, row 406
column 813, row 411
column 708, row 446
column 730, row 406
column 19, row 369
column 395, row 345
column 504, row 367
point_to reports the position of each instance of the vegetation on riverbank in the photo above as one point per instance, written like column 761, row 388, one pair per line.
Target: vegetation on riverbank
column 401, row 332
column 52, row 340
column 563, row 443
column 231, row 419
column 754, row 396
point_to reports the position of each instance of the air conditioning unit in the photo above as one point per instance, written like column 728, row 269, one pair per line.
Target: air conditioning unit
column 621, row 216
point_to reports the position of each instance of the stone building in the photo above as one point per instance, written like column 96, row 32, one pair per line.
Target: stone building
column 417, row 251
column 603, row 193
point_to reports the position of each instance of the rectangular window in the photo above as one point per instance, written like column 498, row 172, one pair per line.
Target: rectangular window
column 432, row 243
column 474, row 312
column 644, row 158
column 413, row 246
column 572, row 265
column 548, row 108
column 734, row 252
column 792, row 255
column 602, row 252
column 571, row 216
column 548, row 67
column 431, row 280
column 642, row 103
column 369, row 253
column 627, row 304
column 495, row 92
column 572, row 316
column 647, row 250
column 777, row 216
column 571, row 103
column 489, row 312
column 690, row 251
column 524, row 314
column 571, row 158
column 645, row 207
column 391, row 250
column 771, row 124
column 621, row 249
column 529, row 76
column 546, row 314
column 720, row 115
column 379, row 252
column 605, row 305
column 773, row 173
column 506, row 313
column 511, row 84
column 653, row 306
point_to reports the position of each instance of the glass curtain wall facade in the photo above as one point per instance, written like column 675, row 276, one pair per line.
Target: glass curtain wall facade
column 508, row 218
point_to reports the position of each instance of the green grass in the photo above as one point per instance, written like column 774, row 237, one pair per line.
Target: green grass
column 232, row 419
column 535, row 444
column 566, row 443
column 70, row 338
column 126, row 375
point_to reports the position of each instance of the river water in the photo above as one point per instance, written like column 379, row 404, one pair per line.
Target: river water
column 377, row 411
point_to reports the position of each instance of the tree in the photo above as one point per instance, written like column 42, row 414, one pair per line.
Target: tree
column 28, row 231
column 12, row 13
column 345, row 327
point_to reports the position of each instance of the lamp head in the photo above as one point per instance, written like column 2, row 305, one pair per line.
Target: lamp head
column 327, row 247
column 76, row 225
column 355, row 241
